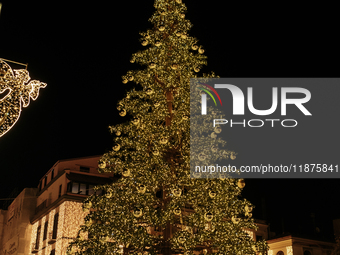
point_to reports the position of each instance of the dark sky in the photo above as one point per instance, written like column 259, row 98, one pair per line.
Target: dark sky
column 81, row 50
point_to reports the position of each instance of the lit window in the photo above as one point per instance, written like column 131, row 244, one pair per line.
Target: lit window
column 82, row 189
column 75, row 187
column 90, row 191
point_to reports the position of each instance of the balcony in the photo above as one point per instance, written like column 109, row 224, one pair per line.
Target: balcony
column 51, row 238
column 35, row 248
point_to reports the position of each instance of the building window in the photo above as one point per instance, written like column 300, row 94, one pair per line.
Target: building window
column 38, row 238
column 279, row 252
column 45, row 230
column 307, row 252
column 81, row 188
column 84, row 169
column 55, row 226
column 60, row 187
column 90, row 190
column 52, row 174
column 259, row 238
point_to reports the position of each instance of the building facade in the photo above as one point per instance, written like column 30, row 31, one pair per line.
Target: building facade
column 46, row 219
column 290, row 245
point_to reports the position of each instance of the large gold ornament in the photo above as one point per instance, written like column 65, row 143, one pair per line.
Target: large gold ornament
column 126, row 173
column 241, row 183
column 18, row 88
column 138, row 212
column 208, row 216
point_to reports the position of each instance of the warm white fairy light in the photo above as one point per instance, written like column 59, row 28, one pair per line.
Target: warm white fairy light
column 59, row 243
column 34, row 235
column 20, row 88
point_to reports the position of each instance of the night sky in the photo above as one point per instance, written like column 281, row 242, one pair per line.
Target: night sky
column 82, row 50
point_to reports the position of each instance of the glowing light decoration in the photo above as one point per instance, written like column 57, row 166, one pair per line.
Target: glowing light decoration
column 16, row 89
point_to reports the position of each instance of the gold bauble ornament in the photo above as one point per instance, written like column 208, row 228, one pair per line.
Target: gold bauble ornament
column 135, row 121
column 184, row 36
column 152, row 65
column 235, row 220
column 149, row 92
column 157, row 104
column 155, row 152
column 208, row 216
column 200, row 50
column 137, row 212
column 194, row 47
column 174, row 66
column 178, row 34
column 125, row 81
column 213, row 135
column 144, row 43
column 118, row 133
column 108, row 194
column 232, row 156
column 202, row 156
column 132, row 60
column 102, row 165
column 205, row 251
column 130, row 78
column 141, row 189
column 177, row 192
column 126, row 173
column 241, row 183
column 116, row 147
column 161, row 28
column 218, row 129
column 196, row 69
column 214, row 148
column 164, row 141
column 158, row 43
column 122, row 113
column 212, row 194
column 185, row 117
column 182, row 15
column 181, row 239
column 196, row 174
column 177, row 211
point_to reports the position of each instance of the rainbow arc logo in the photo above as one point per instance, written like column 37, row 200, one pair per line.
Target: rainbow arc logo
column 204, row 97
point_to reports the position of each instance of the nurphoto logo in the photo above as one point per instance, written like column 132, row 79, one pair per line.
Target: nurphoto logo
column 239, row 104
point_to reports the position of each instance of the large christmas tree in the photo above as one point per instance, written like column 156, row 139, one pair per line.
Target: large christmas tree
column 156, row 207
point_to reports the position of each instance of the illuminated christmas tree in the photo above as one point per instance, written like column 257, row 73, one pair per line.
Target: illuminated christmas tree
column 156, row 207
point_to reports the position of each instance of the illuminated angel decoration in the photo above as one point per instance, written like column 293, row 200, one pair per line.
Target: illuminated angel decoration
column 16, row 89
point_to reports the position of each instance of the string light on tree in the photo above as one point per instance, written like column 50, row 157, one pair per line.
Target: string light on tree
column 204, row 216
